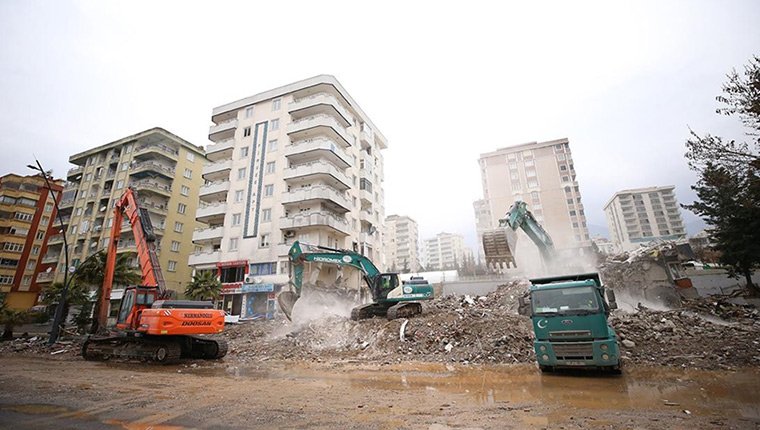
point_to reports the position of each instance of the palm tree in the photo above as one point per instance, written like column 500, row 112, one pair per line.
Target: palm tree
column 11, row 318
column 204, row 286
column 92, row 272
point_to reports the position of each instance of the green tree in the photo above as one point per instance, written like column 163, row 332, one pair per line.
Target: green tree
column 10, row 319
column 204, row 286
column 92, row 271
column 728, row 187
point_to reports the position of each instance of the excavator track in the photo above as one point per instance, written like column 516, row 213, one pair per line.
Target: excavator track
column 369, row 310
column 404, row 310
column 207, row 348
column 164, row 351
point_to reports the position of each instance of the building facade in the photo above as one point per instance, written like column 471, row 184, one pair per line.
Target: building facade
column 642, row 215
column 542, row 174
column 445, row 251
column 299, row 162
column 27, row 221
column 402, row 239
column 165, row 171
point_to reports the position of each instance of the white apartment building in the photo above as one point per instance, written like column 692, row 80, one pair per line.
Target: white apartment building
column 541, row 174
column 444, row 252
column 401, row 248
column 642, row 215
column 299, row 162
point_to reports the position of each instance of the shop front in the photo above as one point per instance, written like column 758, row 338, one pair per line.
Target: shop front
column 260, row 301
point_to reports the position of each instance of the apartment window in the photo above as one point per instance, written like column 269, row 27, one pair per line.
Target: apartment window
column 26, row 280
column 23, row 216
column 241, row 173
column 119, row 185
column 562, row 167
column 268, row 190
column 6, row 279
column 244, row 152
column 10, row 246
column 262, row 269
column 172, row 266
column 276, row 104
column 575, row 225
column 274, row 124
column 238, row 196
column 109, row 223
column 124, row 166
column 181, row 208
column 266, row 215
column 175, row 246
column 530, row 163
column 233, row 244
column 235, row 219
column 565, row 179
column 178, row 227
column 270, row 167
column 512, row 165
column 264, row 241
column 249, row 111
column 188, row 173
column 184, row 190
column 35, row 250
column 532, row 183
column 40, row 235
column 79, row 211
column 514, row 176
column 48, row 207
column 246, row 131
column 572, row 213
column 30, row 264
column 561, row 157
column 273, row 145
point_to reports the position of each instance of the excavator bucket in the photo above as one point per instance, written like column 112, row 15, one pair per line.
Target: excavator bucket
column 286, row 300
column 498, row 246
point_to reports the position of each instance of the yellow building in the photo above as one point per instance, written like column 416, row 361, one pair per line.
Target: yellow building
column 165, row 171
column 27, row 213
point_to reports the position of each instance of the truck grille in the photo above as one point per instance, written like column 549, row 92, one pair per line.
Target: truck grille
column 574, row 350
column 570, row 333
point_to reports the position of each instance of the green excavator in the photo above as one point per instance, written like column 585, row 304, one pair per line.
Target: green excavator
column 390, row 298
column 499, row 243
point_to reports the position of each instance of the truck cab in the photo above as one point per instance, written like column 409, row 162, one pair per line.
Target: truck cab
column 570, row 323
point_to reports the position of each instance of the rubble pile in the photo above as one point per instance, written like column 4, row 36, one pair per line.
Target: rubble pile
column 38, row 345
column 684, row 338
column 451, row 329
column 722, row 307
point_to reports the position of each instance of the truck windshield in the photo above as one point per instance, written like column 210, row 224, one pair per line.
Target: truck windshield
column 564, row 301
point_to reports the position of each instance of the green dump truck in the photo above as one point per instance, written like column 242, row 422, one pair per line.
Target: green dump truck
column 569, row 315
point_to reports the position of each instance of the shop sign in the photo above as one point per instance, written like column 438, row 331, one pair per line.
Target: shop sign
column 234, row 263
column 258, row 288
column 232, row 288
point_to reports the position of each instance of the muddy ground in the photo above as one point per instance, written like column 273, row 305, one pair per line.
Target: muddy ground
column 467, row 362
column 62, row 393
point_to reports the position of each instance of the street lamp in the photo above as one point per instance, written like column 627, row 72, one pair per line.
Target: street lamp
column 55, row 330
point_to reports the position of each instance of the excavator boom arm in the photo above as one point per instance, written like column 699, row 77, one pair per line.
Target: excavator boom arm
column 498, row 244
column 145, row 238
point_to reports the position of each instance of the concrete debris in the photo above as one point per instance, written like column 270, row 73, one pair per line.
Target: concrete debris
column 628, row 343
column 402, row 331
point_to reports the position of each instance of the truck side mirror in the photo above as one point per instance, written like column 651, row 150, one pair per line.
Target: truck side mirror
column 611, row 299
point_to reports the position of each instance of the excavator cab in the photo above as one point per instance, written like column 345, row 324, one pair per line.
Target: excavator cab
column 384, row 283
column 135, row 299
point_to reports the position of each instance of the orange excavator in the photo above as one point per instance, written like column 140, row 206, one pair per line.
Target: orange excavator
column 150, row 326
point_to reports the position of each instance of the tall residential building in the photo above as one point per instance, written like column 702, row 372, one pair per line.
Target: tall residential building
column 542, row 175
column 27, row 220
column 401, row 247
column 641, row 215
column 445, row 251
column 299, row 162
column 164, row 169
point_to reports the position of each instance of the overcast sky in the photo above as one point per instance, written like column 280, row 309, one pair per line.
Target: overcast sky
column 445, row 82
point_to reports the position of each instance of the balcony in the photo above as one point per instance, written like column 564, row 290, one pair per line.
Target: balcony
column 319, row 125
column 55, row 239
column 220, row 150
column 157, row 208
column 315, row 219
column 76, row 171
column 51, row 258
column 321, row 103
column 45, row 277
column 214, row 191
column 321, row 171
column 152, row 186
column 149, row 168
column 217, row 171
column 204, row 258
column 211, row 212
column 330, row 195
column 310, row 150
column 366, row 197
column 211, row 234
column 367, row 138
column 223, row 130
column 156, row 148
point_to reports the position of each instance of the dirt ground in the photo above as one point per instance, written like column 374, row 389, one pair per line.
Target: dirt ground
column 61, row 393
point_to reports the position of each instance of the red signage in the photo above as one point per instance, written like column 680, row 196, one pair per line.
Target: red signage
column 232, row 288
column 234, row 263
